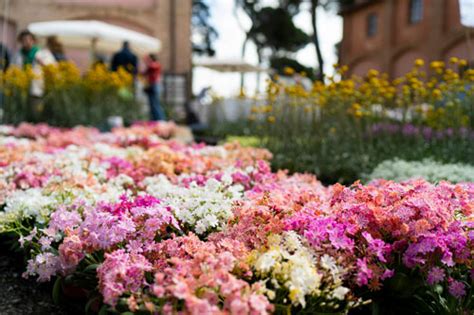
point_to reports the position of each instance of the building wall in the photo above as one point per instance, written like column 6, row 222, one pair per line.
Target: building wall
column 438, row 36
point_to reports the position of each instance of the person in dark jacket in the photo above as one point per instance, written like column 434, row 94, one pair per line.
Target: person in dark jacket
column 126, row 59
column 4, row 57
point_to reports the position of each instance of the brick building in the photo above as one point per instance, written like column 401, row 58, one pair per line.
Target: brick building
column 388, row 35
column 167, row 20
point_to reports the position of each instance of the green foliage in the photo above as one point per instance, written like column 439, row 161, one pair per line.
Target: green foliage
column 280, row 63
column 204, row 33
column 57, row 290
column 274, row 28
column 70, row 98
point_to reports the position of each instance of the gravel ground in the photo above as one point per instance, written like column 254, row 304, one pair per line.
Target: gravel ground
column 20, row 296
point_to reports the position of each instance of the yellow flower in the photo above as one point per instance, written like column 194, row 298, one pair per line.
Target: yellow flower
column 356, row 106
column 358, row 114
column 372, row 73
column 437, row 65
column 437, row 94
column 288, row 71
column 454, row 60
column 419, row 63
column 294, row 295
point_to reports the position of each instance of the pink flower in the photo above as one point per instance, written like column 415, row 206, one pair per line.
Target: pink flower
column 120, row 273
column 377, row 247
column 180, row 290
column 200, row 307
column 71, row 252
column 237, row 307
column 28, row 238
column 259, row 304
column 388, row 273
column 63, row 219
column 364, row 273
column 457, row 289
column 435, row 275
column 44, row 265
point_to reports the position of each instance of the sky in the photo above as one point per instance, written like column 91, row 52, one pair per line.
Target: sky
column 229, row 44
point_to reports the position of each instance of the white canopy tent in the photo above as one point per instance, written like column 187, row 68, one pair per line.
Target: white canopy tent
column 229, row 109
column 96, row 35
column 227, row 65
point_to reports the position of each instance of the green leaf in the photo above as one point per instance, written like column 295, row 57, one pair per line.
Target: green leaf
column 89, row 304
column 92, row 267
column 103, row 310
column 57, row 290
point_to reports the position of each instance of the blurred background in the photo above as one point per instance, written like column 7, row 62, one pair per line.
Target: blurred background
column 363, row 34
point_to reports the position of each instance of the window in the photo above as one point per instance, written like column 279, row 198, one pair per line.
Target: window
column 416, row 11
column 371, row 25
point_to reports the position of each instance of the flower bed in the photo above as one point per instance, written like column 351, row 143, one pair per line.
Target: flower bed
column 343, row 128
column 70, row 98
column 136, row 223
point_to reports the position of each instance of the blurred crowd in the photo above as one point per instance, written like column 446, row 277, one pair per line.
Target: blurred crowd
column 31, row 54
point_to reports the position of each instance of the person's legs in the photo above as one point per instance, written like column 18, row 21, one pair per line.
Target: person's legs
column 35, row 108
column 160, row 112
column 151, row 102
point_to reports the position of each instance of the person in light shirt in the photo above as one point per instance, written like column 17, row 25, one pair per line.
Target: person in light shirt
column 32, row 55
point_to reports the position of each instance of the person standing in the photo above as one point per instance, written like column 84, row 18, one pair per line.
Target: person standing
column 4, row 57
column 31, row 55
column 125, row 59
column 56, row 48
column 153, row 76
column 4, row 64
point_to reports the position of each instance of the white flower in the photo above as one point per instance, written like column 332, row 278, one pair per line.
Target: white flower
column 432, row 171
column 12, row 141
column 340, row 293
column 217, row 151
column 267, row 261
column 303, row 277
column 289, row 263
column 5, row 130
column 329, row 263
column 203, row 208
column 292, row 241
column 29, row 203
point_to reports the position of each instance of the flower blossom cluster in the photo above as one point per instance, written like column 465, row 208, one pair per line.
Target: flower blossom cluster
column 432, row 171
column 161, row 227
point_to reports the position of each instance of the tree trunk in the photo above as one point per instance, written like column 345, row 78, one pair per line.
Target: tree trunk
column 314, row 6
column 244, row 48
column 259, row 55
column 244, row 44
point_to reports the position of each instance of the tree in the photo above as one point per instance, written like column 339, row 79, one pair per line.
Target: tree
column 273, row 28
column 280, row 64
column 326, row 4
column 317, row 46
column 204, row 33
column 273, row 31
